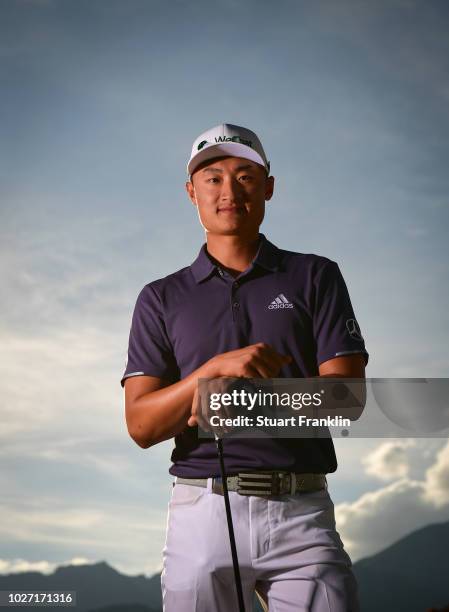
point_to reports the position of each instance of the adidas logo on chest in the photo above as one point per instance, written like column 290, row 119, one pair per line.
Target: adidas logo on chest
column 280, row 302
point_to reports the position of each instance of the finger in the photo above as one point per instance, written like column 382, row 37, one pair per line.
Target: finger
column 203, row 421
column 279, row 358
column 274, row 360
column 263, row 367
column 192, row 421
column 195, row 401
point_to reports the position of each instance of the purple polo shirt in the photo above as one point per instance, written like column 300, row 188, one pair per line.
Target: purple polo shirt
column 297, row 303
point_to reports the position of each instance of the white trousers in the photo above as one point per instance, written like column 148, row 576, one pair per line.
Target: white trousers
column 287, row 546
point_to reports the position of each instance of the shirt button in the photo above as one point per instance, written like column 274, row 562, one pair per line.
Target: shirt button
column 236, row 304
column 236, row 284
column 220, row 271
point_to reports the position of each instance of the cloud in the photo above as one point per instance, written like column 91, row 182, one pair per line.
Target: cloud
column 389, row 460
column 437, row 479
column 12, row 566
column 83, row 530
column 69, row 296
column 50, row 385
column 378, row 518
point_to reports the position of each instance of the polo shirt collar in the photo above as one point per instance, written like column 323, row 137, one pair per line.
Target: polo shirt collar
column 267, row 256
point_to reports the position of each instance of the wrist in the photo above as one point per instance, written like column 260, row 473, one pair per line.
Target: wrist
column 209, row 369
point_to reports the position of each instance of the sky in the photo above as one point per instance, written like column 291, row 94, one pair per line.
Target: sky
column 101, row 102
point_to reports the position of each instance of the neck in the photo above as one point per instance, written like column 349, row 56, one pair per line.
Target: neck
column 234, row 253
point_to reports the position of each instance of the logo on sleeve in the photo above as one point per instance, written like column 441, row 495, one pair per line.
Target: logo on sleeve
column 354, row 330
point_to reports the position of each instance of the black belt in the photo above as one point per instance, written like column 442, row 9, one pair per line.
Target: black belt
column 263, row 483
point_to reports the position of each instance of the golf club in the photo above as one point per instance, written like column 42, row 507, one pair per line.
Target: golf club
column 235, row 561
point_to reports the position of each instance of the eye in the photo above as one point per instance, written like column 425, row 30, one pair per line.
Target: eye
column 246, row 176
column 214, row 178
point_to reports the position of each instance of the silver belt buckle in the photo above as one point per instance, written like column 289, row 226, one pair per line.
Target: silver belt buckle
column 263, row 484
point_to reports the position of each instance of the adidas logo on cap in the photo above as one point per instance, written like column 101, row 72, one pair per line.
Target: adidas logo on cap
column 280, row 302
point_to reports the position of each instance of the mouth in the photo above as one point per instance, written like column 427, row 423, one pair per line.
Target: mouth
column 231, row 209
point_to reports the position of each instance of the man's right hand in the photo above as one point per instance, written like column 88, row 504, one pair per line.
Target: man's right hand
column 258, row 360
column 254, row 361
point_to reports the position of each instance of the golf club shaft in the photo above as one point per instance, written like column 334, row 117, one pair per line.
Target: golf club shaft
column 235, row 562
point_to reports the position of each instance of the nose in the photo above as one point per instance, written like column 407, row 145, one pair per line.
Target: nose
column 231, row 190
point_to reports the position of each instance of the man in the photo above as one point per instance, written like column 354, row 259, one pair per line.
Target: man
column 243, row 308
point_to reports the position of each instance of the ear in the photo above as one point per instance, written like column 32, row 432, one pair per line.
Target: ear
column 191, row 192
column 269, row 187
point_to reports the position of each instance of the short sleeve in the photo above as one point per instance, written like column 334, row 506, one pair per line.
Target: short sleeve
column 149, row 350
column 335, row 326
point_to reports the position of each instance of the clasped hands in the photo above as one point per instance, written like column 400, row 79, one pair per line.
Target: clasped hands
column 254, row 361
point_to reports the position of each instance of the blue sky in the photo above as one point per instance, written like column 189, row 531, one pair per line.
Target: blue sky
column 100, row 104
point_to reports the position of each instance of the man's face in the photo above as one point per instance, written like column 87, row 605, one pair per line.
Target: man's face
column 230, row 194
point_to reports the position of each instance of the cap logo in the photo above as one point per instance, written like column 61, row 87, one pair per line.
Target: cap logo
column 248, row 143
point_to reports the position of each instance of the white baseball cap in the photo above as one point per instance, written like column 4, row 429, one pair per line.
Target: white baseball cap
column 227, row 139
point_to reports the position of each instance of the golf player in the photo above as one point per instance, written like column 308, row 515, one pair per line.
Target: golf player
column 243, row 308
